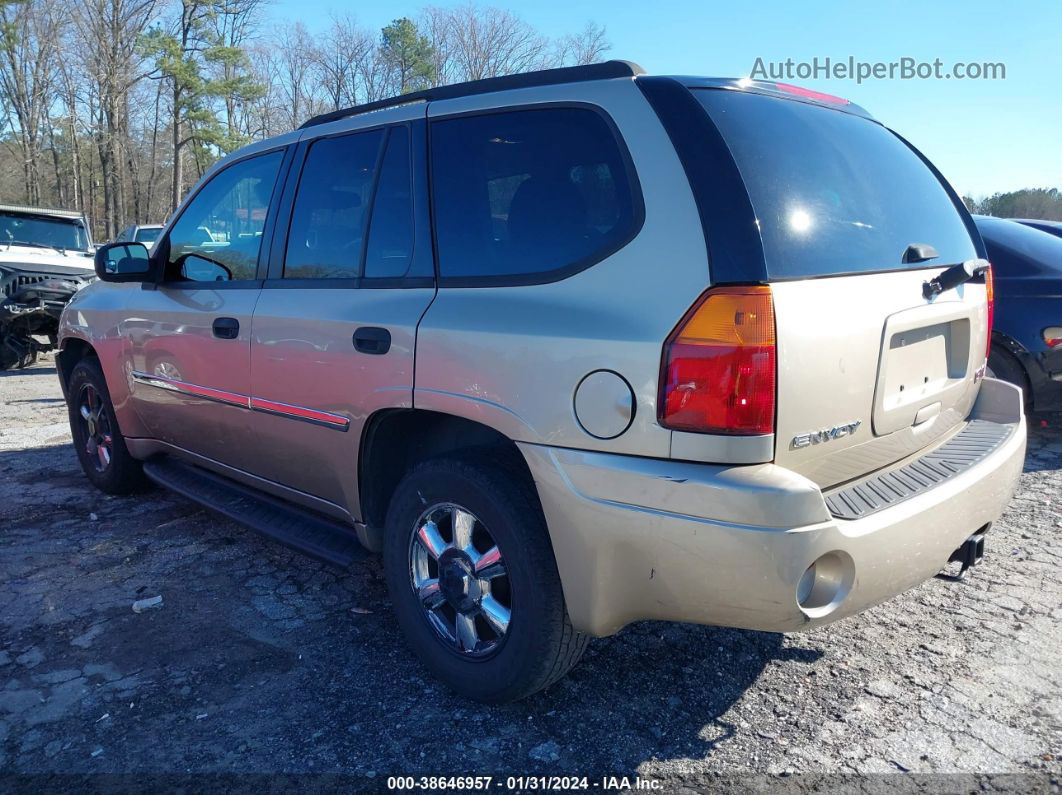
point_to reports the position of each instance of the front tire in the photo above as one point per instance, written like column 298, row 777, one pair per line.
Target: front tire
column 473, row 580
column 98, row 441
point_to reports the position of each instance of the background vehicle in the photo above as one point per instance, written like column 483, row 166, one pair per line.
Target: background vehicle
column 43, row 262
column 139, row 233
column 560, row 345
column 1051, row 227
column 1027, row 333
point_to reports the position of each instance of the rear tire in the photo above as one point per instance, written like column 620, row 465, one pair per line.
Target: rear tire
column 510, row 562
column 98, row 442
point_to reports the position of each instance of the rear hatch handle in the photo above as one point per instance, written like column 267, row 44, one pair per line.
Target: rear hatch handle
column 953, row 277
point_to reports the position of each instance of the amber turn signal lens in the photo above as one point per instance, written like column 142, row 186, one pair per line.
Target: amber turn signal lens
column 718, row 373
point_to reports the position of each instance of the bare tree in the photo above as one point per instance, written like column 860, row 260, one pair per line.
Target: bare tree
column 31, row 32
column 488, row 42
column 587, row 46
column 436, row 24
column 114, row 67
column 235, row 24
column 344, row 56
column 294, row 68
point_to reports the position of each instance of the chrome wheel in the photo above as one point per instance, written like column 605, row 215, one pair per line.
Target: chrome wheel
column 99, row 440
column 460, row 579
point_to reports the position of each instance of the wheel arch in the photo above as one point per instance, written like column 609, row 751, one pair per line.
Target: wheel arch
column 396, row 440
column 71, row 351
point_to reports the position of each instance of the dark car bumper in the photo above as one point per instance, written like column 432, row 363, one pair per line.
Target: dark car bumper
column 1044, row 369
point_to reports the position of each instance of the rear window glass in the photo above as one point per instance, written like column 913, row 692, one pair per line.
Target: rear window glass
column 522, row 195
column 1018, row 250
column 833, row 193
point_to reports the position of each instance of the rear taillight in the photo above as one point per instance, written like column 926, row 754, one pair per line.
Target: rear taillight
column 1053, row 337
column 718, row 373
column 990, row 295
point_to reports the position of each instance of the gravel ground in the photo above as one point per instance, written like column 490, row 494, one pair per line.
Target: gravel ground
column 261, row 660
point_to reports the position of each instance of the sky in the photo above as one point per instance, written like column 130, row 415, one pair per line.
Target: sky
column 985, row 136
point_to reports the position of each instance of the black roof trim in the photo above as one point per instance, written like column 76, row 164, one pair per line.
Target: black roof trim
column 544, row 77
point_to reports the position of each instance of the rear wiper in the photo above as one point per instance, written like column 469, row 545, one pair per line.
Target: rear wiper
column 11, row 243
column 953, row 277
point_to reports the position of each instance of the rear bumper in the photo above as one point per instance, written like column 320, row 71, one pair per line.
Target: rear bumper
column 640, row 538
column 1045, row 378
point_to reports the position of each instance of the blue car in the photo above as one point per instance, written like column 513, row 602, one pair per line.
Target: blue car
column 1027, row 332
column 1051, row 227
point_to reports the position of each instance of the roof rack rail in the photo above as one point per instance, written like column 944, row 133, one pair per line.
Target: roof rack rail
column 544, row 77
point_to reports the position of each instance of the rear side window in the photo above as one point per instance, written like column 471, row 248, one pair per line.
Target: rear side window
column 529, row 195
column 833, row 193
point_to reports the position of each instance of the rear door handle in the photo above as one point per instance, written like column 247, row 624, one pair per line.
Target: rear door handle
column 226, row 328
column 372, row 339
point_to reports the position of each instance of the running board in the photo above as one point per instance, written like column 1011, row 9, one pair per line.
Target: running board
column 295, row 527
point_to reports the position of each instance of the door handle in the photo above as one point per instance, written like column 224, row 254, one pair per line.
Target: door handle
column 226, row 328
column 372, row 339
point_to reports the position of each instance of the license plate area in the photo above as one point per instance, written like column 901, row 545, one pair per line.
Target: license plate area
column 925, row 361
column 922, row 362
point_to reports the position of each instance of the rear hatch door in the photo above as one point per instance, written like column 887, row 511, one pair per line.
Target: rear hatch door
column 853, row 222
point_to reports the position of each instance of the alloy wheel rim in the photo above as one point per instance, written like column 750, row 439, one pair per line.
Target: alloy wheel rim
column 99, row 439
column 460, row 579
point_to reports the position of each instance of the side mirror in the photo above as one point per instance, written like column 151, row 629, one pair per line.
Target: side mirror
column 123, row 262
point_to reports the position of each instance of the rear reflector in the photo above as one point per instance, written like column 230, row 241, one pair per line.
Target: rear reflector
column 718, row 369
column 990, row 295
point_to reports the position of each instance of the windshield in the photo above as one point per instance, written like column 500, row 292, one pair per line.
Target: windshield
column 147, row 234
column 833, row 193
column 66, row 234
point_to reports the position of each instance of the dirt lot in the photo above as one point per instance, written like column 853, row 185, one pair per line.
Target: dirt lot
column 261, row 660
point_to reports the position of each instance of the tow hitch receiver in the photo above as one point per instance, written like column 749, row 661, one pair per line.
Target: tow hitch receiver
column 967, row 556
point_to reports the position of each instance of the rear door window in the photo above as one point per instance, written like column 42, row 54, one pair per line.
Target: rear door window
column 390, row 245
column 529, row 195
column 833, row 193
column 326, row 238
column 353, row 211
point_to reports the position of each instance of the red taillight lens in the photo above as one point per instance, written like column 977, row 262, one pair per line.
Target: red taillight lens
column 718, row 373
column 1053, row 337
column 990, row 295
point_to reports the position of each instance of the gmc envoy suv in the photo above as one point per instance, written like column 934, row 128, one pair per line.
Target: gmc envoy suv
column 573, row 349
